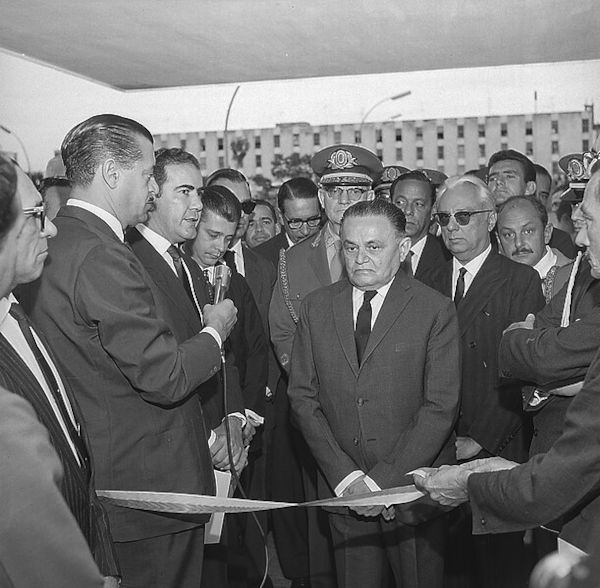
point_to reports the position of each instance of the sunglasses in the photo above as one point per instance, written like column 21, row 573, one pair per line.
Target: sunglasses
column 462, row 218
column 248, row 206
column 297, row 223
column 37, row 212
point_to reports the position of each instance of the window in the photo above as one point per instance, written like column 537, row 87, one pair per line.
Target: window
column 440, row 132
column 378, row 136
column 554, row 147
column 398, row 135
column 460, row 169
column 481, row 130
column 461, row 151
column 221, row 161
column 585, row 125
column 202, row 145
column 555, row 127
column 585, row 145
column 460, row 130
column 316, row 139
column 380, row 154
column 503, row 129
column 258, row 161
column 528, row 128
column 482, row 150
column 419, row 131
column 202, row 162
column 220, row 143
column 503, row 146
column 183, row 144
column 357, row 137
column 337, row 137
column 441, row 151
column 296, row 140
column 257, row 142
column 398, row 154
column 529, row 148
column 419, row 152
column 276, row 141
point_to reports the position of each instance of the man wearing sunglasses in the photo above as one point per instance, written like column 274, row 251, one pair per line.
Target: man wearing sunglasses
column 490, row 292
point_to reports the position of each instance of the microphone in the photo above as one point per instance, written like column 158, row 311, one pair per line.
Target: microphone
column 221, row 279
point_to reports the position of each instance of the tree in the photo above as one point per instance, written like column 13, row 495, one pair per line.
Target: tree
column 264, row 185
column 239, row 147
column 292, row 166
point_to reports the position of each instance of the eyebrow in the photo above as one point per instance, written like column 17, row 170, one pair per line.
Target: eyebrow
column 188, row 186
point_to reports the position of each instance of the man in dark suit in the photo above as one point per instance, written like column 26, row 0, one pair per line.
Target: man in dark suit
column 135, row 382
column 372, row 401
column 27, row 367
column 490, row 292
column 414, row 193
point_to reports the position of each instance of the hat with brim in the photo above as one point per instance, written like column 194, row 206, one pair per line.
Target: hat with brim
column 346, row 164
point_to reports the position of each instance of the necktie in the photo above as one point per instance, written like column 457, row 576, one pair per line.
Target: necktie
column 18, row 313
column 363, row 324
column 209, row 286
column 336, row 267
column 408, row 263
column 460, row 286
column 229, row 259
column 176, row 256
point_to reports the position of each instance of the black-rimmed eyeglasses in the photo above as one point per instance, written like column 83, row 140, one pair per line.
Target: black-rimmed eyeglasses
column 297, row 223
column 37, row 212
column 462, row 217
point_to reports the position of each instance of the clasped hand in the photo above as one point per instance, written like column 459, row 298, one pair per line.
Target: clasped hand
column 359, row 487
column 221, row 317
column 219, row 451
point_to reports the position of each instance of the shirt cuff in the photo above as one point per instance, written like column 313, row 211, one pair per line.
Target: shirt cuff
column 254, row 418
column 212, row 439
column 238, row 415
column 351, row 477
column 372, row 484
column 213, row 333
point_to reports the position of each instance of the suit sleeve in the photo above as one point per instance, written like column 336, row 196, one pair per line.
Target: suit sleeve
column 40, row 542
column 549, row 484
column 306, row 411
column 432, row 425
column 141, row 345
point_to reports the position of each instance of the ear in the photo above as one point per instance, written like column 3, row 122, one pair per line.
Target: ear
column 492, row 220
column 530, row 188
column 321, row 194
column 370, row 195
column 404, row 246
column 110, row 173
column 548, row 233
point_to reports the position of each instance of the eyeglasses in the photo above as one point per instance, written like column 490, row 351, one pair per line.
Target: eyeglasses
column 248, row 206
column 354, row 193
column 37, row 212
column 298, row 223
column 462, row 217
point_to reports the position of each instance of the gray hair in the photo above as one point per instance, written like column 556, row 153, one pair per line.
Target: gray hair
column 481, row 189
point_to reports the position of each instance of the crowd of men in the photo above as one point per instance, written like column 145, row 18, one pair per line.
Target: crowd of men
column 382, row 326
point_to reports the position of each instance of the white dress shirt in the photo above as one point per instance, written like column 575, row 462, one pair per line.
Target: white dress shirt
column 376, row 304
column 417, row 252
column 238, row 257
column 10, row 329
column 111, row 220
column 472, row 268
column 543, row 266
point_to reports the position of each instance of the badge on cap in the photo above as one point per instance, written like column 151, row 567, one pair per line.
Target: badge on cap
column 341, row 159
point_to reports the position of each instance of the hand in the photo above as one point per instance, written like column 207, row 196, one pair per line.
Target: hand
column 466, row 448
column 360, row 487
column 111, row 582
column 489, row 464
column 248, row 432
column 446, row 485
column 554, row 571
column 528, row 323
column 218, row 450
column 221, row 317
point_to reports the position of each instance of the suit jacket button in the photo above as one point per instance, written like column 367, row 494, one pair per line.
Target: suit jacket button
column 483, row 522
column 355, row 440
column 360, row 402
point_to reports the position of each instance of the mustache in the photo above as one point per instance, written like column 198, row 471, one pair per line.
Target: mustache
column 521, row 251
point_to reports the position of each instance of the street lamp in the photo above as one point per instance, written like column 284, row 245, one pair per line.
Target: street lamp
column 389, row 98
column 226, row 146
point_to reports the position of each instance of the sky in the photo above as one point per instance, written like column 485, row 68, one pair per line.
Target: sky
column 40, row 104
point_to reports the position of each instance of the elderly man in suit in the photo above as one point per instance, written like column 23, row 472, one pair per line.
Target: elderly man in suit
column 414, row 193
column 27, row 365
column 134, row 380
column 490, row 292
column 374, row 388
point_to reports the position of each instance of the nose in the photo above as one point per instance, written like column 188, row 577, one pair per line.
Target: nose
column 153, row 186
column 343, row 197
column 519, row 240
column 452, row 225
column 361, row 257
column 581, row 238
column 221, row 246
column 304, row 229
column 195, row 202
column 50, row 229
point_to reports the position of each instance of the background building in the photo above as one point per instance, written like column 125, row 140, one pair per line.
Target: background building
column 452, row 145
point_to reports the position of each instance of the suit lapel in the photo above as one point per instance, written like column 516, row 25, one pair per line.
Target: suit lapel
column 397, row 298
column 344, row 324
column 486, row 283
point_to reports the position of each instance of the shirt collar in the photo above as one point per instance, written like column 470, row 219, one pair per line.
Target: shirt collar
column 418, row 247
column 111, row 220
column 237, row 248
column 475, row 264
column 330, row 236
column 157, row 241
column 359, row 294
column 542, row 267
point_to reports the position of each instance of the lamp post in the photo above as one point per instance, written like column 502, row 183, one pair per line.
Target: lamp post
column 226, row 141
column 9, row 132
column 389, row 98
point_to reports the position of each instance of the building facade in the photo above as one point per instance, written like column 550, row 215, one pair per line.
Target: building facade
column 451, row 145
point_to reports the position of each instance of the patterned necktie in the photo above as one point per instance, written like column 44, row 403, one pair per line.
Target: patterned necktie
column 229, row 259
column 336, row 267
column 460, row 286
column 17, row 312
column 363, row 324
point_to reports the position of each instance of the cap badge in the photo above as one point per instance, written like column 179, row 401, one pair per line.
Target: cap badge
column 390, row 174
column 341, row 159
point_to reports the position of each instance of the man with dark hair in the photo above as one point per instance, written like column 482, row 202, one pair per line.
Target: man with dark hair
column 134, row 380
column 300, row 213
column 371, row 407
column 414, row 193
column 523, row 236
column 263, row 224
column 543, row 183
column 510, row 173
column 28, row 368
